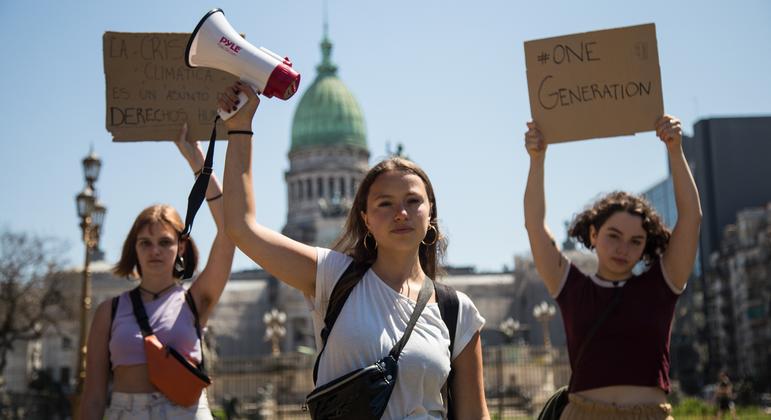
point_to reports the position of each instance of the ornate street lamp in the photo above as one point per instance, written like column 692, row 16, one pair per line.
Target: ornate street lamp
column 510, row 328
column 91, row 167
column 544, row 312
column 91, row 212
column 275, row 330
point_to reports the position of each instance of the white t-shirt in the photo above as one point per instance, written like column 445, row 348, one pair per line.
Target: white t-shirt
column 372, row 320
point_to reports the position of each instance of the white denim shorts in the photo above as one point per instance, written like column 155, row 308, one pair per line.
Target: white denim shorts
column 154, row 406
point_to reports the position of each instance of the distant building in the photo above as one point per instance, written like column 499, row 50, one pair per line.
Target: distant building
column 662, row 197
column 56, row 352
column 527, row 291
column 739, row 279
column 729, row 158
column 688, row 330
column 729, row 161
column 327, row 159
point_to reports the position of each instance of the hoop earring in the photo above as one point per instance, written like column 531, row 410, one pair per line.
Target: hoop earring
column 364, row 241
column 436, row 235
column 179, row 266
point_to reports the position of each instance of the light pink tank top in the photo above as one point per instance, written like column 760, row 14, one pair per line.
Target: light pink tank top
column 170, row 318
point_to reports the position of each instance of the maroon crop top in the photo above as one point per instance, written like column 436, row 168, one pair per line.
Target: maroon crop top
column 632, row 345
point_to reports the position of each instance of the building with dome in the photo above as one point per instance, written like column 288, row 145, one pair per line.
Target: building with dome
column 328, row 156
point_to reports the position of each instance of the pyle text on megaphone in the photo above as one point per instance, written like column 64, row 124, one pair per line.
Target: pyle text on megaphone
column 215, row 44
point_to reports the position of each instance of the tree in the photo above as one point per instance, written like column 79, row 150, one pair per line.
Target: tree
column 31, row 297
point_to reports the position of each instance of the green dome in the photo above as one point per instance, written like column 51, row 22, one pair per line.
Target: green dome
column 328, row 114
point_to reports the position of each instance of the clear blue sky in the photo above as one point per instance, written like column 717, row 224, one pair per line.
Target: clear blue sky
column 446, row 78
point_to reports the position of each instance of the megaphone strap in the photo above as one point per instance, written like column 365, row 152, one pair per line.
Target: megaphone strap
column 198, row 192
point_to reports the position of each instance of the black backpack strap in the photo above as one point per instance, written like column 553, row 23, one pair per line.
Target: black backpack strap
column 113, row 311
column 198, row 193
column 447, row 299
column 144, row 323
column 139, row 312
column 191, row 303
column 337, row 299
column 448, row 302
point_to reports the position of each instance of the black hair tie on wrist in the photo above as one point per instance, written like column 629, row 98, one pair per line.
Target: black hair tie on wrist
column 215, row 197
column 231, row 132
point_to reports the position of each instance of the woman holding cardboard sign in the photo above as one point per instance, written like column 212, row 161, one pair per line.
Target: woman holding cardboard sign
column 618, row 323
column 144, row 384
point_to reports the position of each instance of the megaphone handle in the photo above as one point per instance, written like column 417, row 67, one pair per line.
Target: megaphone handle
column 242, row 100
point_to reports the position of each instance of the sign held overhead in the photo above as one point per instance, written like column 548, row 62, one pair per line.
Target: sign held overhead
column 595, row 84
column 150, row 91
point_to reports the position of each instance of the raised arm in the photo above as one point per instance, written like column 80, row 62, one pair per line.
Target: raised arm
column 288, row 260
column 210, row 283
column 548, row 259
column 681, row 250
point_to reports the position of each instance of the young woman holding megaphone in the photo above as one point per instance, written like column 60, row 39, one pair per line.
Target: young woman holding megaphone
column 146, row 383
column 617, row 323
column 389, row 334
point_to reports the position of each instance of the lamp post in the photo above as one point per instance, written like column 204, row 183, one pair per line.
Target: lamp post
column 544, row 312
column 510, row 327
column 91, row 213
column 275, row 330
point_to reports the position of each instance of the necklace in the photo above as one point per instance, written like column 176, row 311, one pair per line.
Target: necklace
column 157, row 294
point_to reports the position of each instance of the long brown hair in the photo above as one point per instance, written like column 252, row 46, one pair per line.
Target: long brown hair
column 128, row 265
column 351, row 240
column 657, row 234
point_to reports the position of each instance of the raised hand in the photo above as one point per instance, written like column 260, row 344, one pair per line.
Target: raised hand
column 190, row 150
column 669, row 130
column 534, row 141
column 228, row 100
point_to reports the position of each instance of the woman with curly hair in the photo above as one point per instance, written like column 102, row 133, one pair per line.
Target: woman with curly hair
column 623, row 369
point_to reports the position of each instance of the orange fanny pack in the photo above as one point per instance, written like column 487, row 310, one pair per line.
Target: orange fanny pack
column 181, row 381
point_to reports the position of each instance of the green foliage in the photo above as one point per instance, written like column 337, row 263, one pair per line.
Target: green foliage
column 693, row 407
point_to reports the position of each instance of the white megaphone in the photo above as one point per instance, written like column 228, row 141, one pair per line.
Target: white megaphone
column 215, row 44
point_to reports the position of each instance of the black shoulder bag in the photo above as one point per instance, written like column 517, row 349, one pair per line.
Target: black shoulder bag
column 364, row 393
column 181, row 381
column 554, row 406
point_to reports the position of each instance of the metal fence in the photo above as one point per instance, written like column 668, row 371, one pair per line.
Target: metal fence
column 33, row 406
column 518, row 379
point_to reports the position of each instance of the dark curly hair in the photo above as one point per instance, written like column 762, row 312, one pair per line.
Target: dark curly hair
column 599, row 212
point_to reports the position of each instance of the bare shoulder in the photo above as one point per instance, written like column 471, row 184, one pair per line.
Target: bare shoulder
column 103, row 315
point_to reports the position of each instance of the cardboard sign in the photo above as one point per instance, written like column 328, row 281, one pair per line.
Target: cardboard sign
column 151, row 91
column 595, row 84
